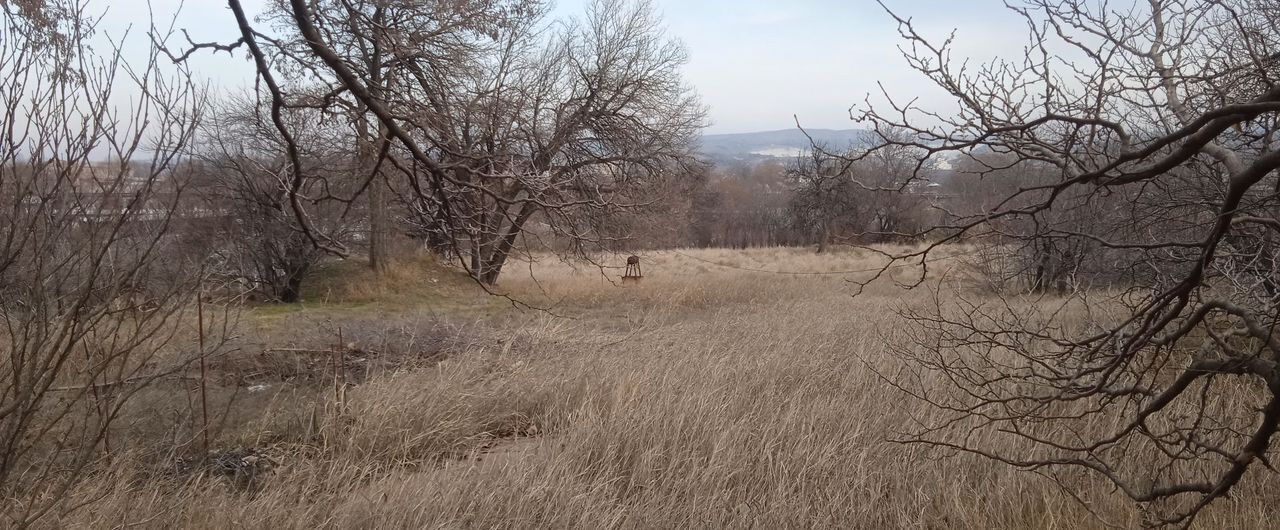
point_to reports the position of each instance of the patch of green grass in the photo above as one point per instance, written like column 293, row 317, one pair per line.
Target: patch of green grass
column 340, row 289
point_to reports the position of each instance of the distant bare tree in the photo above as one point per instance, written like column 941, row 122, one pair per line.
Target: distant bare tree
column 91, row 299
column 747, row 206
column 1166, row 382
column 892, row 184
column 858, row 194
column 822, row 192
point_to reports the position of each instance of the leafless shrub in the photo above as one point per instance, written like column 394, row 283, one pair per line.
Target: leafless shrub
column 993, row 267
column 91, row 305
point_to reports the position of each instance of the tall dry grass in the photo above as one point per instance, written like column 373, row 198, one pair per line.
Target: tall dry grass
column 708, row 396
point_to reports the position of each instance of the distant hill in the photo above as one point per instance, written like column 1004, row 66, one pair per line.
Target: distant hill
column 772, row 145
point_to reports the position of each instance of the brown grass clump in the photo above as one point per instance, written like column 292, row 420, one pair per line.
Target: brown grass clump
column 708, row 396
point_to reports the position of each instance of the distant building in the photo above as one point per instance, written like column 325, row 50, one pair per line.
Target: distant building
column 94, row 191
column 108, row 178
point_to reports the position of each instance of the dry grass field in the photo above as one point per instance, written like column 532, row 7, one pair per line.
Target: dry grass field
column 711, row 395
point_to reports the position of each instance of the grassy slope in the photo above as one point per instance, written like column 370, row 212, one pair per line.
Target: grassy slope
column 708, row 396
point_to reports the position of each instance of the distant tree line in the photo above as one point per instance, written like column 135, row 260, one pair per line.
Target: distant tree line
column 819, row 198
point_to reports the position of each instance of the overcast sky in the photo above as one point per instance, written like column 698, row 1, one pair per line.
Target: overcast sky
column 754, row 62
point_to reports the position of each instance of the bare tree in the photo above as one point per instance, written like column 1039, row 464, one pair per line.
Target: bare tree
column 860, row 194
column 1021, row 258
column 892, row 184
column 569, row 128
column 822, row 192
column 244, row 179
column 393, row 47
column 1165, row 383
column 90, row 306
column 498, row 120
column 747, row 206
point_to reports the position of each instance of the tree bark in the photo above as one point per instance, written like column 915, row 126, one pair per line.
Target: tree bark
column 377, row 189
column 377, row 224
column 824, row 236
column 292, row 291
column 503, row 245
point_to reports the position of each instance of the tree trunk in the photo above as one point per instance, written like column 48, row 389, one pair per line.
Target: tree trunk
column 292, row 292
column 479, row 235
column 439, row 243
column 377, row 224
column 377, row 188
column 824, row 236
column 496, row 258
column 367, row 150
